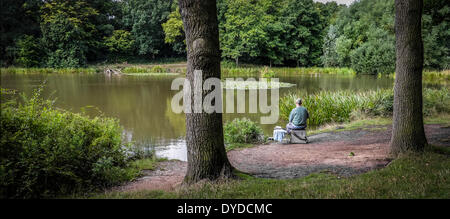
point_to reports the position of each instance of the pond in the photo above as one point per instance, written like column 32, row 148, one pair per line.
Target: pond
column 143, row 103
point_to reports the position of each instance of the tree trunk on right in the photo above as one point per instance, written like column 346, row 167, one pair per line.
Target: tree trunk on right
column 408, row 131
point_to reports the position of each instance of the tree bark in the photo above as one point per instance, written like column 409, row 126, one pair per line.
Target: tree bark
column 408, row 131
column 207, row 158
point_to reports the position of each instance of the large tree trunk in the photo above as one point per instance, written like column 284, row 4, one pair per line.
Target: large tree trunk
column 207, row 158
column 408, row 131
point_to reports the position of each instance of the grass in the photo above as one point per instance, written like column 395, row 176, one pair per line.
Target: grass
column 441, row 119
column 17, row 70
column 328, row 107
column 178, row 65
column 234, row 146
column 375, row 124
column 145, row 164
column 157, row 69
column 431, row 76
column 368, row 123
column 248, row 85
column 264, row 71
column 337, row 107
column 314, row 70
column 425, row 175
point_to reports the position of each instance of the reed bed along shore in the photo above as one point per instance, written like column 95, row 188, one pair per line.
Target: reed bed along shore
column 343, row 106
column 429, row 76
column 19, row 70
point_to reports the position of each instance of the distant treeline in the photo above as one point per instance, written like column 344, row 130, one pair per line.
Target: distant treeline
column 73, row 33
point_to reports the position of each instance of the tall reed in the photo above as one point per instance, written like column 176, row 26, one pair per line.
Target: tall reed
column 343, row 106
column 16, row 70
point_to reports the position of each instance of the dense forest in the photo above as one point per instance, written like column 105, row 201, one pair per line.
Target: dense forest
column 74, row 33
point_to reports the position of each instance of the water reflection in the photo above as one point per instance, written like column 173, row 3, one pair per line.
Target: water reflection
column 142, row 104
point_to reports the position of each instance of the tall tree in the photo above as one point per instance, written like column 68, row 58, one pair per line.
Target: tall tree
column 304, row 27
column 243, row 29
column 408, row 132
column 17, row 18
column 173, row 30
column 207, row 158
column 144, row 18
column 67, row 32
column 273, row 46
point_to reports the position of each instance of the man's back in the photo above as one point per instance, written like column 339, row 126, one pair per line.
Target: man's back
column 298, row 116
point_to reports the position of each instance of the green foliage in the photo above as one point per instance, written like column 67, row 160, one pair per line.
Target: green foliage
column 273, row 45
column 66, row 30
column 151, row 69
column 268, row 32
column 120, row 45
column 304, row 29
column 120, row 42
column 242, row 29
column 436, row 77
column 267, row 73
column 242, row 131
column 435, row 34
column 436, row 101
column 341, row 106
column 144, row 164
column 376, row 56
column 410, row 176
column 17, row 18
column 157, row 69
column 174, row 31
column 145, row 18
column 28, row 51
column 14, row 70
column 363, row 37
column 330, row 56
column 46, row 151
column 273, row 31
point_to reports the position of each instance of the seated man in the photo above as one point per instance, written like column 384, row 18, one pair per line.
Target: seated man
column 298, row 117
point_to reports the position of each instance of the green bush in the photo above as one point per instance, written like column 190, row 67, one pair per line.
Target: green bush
column 376, row 56
column 47, row 152
column 242, row 131
column 28, row 51
column 120, row 45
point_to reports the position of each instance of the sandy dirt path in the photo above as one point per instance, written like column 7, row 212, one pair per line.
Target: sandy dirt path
column 326, row 152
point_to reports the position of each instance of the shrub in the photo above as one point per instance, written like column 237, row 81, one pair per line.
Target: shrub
column 121, row 42
column 374, row 57
column 28, row 51
column 242, row 131
column 46, row 151
column 120, row 45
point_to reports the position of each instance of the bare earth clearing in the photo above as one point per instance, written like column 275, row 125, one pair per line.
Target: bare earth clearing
column 326, row 152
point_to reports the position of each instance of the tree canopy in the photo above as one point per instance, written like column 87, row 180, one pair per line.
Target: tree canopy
column 57, row 33
column 362, row 36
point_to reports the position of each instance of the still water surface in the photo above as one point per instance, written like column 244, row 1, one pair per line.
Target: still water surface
column 143, row 103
